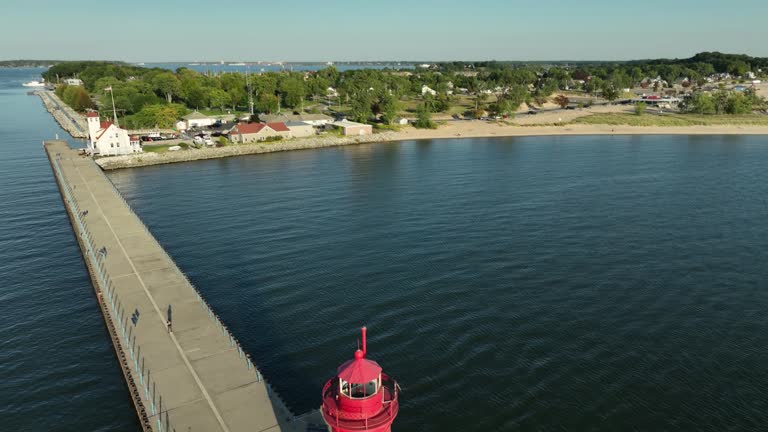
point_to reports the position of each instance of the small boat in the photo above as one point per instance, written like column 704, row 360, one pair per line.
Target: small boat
column 34, row 84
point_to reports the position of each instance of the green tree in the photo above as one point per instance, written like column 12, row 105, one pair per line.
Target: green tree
column 610, row 92
column 424, row 118
column 700, row 103
column 720, row 100
column 293, row 92
column 267, row 103
column 738, row 68
column 389, row 106
column 81, row 100
column 219, row 98
column 361, row 105
column 167, row 84
column 738, row 103
column 232, row 82
column 158, row 115
column 504, row 106
column 593, row 85
column 77, row 98
column 197, row 96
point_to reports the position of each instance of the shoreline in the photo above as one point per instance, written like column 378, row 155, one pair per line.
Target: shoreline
column 453, row 130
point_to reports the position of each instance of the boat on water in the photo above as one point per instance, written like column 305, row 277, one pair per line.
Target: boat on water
column 34, row 84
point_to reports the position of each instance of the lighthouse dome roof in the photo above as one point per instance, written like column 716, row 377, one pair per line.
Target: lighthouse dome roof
column 359, row 370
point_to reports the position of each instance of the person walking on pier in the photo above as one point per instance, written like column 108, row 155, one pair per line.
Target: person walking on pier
column 169, row 321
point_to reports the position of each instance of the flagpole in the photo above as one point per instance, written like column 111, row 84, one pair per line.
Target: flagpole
column 114, row 110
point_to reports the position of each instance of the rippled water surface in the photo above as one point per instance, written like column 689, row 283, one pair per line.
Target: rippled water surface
column 580, row 283
column 57, row 368
column 611, row 283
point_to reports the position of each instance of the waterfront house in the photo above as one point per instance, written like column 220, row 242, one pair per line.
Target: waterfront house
column 353, row 128
column 300, row 129
column 107, row 139
column 73, row 82
column 198, row 120
column 425, row 89
column 244, row 133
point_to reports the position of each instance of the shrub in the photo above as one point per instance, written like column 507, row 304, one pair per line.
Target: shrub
column 640, row 108
column 562, row 100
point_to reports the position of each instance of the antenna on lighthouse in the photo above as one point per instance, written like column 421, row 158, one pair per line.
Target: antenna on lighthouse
column 363, row 331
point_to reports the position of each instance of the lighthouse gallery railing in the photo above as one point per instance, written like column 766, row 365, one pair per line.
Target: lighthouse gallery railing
column 389, row 410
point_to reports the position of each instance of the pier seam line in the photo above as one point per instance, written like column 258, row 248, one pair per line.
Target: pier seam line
column 157, row 309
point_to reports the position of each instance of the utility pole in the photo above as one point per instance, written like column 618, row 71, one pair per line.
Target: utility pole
column 250, row 88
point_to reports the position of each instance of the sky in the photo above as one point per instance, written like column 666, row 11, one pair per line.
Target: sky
column 406, row 30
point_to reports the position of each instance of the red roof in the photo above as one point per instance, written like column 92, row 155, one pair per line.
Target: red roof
column 92, row 114
column 359, row 371
column 249, row 128
column 253, row 128
column 104, row 126
column 279, row 126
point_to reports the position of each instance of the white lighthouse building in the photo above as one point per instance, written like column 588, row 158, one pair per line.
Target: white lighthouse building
column 107, row 139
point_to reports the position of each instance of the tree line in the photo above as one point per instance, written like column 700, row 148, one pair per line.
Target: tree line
column 149, row 97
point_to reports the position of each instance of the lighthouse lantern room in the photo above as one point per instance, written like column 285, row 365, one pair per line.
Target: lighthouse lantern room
column 360, row 397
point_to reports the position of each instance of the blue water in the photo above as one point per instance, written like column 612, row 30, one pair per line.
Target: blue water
column 57, row 368
column 579, row 283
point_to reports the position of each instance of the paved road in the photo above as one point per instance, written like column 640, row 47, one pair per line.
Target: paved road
column 195, row 377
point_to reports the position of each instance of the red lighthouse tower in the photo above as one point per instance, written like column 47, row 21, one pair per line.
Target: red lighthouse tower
column 360, row 397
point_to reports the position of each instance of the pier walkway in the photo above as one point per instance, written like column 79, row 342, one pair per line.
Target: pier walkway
column 195, row 377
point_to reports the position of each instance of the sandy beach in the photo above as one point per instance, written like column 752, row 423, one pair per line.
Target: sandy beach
column 478, row 129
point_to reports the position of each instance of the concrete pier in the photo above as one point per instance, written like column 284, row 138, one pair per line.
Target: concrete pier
column 193, row 377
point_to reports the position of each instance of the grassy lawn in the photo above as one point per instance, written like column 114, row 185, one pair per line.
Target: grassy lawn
column 162, row 148
column 673, row 120
column 460, row 105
